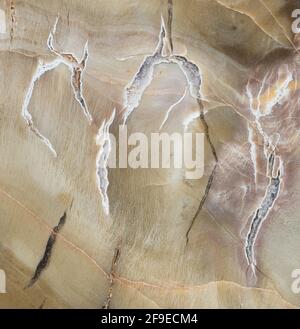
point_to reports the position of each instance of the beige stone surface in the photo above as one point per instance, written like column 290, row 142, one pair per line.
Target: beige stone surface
column 227, row 240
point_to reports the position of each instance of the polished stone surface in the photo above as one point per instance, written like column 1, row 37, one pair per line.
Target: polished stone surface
column 77, row 235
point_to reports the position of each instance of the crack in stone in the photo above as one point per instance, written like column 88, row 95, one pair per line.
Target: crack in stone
column 41, row 69
column 13, row 19
column 261, row 214
column 76, row 67
column 171, row 108
column 114, row 262
column 43, row 263
column 191, row 72
column 143, row 78
column 270, row 164
column 207, row 189
column 261, row 106
column 126, row 281
column 169, row 24
column 206, row 131
column 104, row 142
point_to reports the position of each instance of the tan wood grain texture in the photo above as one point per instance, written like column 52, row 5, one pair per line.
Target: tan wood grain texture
column 139, row 256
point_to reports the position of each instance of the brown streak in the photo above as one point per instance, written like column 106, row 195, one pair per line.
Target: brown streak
column 114, row 262
column 123, row 280
column 206, row 130
column 12, row 18
column 169, row 24
column 207, row 189
column 44, row 262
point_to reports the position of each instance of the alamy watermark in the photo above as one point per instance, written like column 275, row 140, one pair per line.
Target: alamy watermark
column 296, row 22
column 158, row 150
column 295, row 287
column 2, row 282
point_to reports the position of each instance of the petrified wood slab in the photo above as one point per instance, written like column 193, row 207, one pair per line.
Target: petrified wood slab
column 76, row 234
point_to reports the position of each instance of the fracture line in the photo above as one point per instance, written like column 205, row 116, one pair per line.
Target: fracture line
column 171, row 108
column 104, row 142
column 41, row 69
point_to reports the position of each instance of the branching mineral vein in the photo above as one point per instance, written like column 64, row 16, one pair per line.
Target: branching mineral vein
column 261, row 214
column 143, row 78
column 262, row 106
column 171, row 108
column 191, row 72
column 76, row 67
column 104, row 142
column 43, row 263
column 41, row 69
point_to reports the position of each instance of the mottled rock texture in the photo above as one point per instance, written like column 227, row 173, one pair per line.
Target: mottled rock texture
column 75, row 235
